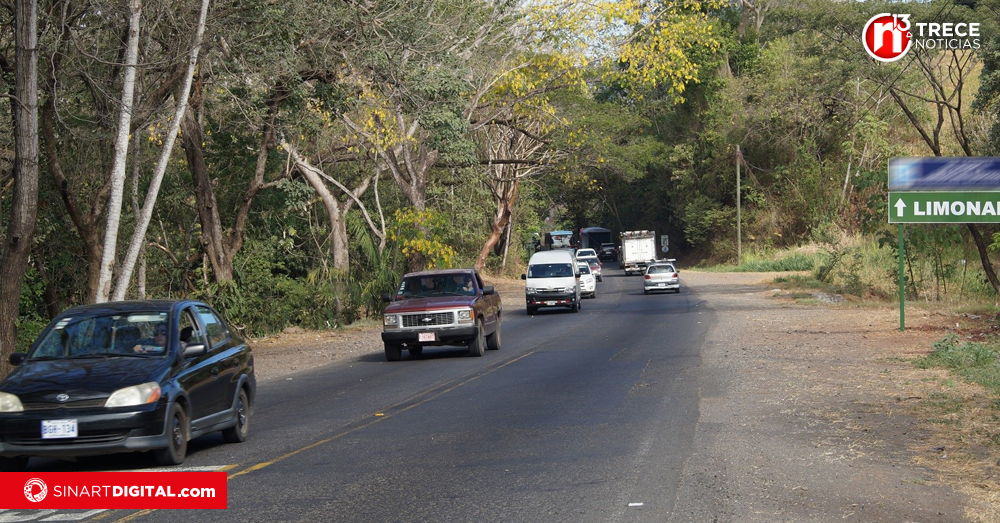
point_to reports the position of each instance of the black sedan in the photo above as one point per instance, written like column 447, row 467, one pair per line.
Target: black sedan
column 126, row 377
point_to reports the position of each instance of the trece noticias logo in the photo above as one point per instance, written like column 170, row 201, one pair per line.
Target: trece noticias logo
column 35, row 490
column 888, row 37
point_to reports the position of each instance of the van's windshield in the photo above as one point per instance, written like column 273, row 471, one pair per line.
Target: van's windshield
column 550, row 270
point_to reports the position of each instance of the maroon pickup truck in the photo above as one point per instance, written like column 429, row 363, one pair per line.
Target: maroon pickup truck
column 442, row 307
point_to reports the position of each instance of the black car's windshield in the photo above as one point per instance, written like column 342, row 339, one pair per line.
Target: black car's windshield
column 112, row 335
column 436, row 285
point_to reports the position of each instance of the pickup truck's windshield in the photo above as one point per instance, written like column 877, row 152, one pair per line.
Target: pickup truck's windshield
column 436, row 285
column 550, row 270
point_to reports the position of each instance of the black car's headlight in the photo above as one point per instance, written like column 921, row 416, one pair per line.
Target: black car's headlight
column 10, row 403
column 134, row 395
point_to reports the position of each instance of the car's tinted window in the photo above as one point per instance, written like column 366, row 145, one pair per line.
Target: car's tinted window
column 586, row 253
column 584, row 269
column 216, row 328
column 76, row 336
column 191, row 333
column 660, row 269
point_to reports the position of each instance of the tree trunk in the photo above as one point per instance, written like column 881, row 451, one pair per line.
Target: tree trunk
column 16, row 248
column 212, row 234
column 505, row 206
column 334, row 211
column 984, row 257
column 142, row 221
column 121, row 155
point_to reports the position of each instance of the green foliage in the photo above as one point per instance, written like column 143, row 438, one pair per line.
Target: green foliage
column 987, row 100
column 974, row 362
column 794, row 262
column 264, row 298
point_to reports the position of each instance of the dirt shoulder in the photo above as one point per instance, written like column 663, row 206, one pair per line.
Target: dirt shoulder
column 810, row 411
column 817, row 412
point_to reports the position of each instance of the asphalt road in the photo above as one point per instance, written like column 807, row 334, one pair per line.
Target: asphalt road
column 579, row 417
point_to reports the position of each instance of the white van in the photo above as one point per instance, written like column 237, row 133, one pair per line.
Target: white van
column 552, row 281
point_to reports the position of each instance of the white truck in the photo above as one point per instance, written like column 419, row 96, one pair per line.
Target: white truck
column 637, row 249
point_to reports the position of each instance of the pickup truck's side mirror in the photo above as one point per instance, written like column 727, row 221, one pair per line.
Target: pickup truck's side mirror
column 524, row 276
column 386, row 297
column 17, row 358
column 489, row 289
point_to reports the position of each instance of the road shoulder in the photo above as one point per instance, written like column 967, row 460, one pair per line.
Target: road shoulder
column 805, row 414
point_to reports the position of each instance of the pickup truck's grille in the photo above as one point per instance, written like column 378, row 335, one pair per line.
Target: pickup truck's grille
column 428, row 319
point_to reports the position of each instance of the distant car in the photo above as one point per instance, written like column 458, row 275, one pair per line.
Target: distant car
column 595, row 267
column 588, row 283
column 608, row 252
column 661, row 277
column 441, row 307
column 587, row 255
column 126, row 377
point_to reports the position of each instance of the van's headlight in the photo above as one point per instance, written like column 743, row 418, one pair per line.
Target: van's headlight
column 465, row 316
column 10, row 403
column 134, row 395
column 390, row 320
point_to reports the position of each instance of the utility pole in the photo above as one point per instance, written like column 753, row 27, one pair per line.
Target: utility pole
column 739, row 217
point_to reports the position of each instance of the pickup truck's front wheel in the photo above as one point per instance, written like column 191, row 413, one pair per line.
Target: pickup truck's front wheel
column 393, row 352
column 493, row 340
column 477, row 346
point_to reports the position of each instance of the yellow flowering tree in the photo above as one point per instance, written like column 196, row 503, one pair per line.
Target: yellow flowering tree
column 419, row 236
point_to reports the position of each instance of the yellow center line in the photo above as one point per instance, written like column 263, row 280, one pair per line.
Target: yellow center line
column 379, row 416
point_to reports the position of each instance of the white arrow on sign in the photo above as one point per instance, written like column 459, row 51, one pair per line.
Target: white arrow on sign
column 900, row 205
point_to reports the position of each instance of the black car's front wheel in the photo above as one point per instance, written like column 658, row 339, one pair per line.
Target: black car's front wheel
column 177, row 433
column 241, row 431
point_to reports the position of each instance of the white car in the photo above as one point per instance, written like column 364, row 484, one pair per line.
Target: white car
column 585, row 255
column 588, row 284
column 661, row 277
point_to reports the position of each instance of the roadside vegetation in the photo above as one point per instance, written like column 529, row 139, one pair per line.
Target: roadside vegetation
column 324, row 149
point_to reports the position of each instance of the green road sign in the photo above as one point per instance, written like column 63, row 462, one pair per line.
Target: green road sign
column 944, row 207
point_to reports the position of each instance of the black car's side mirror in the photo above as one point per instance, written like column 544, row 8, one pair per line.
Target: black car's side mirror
column 578, row 276
column 386, row 297
column 193, row 351
column 17, row 358
column 489, row 289
column 524, row 276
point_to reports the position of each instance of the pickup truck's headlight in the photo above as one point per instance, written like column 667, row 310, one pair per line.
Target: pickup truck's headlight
column 390, row 320
column 10, row 403
column 134, row 395
column 465, row 316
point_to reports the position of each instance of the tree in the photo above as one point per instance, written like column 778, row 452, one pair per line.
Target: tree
column 117, row 175
column 24, row 208
column 139, row 235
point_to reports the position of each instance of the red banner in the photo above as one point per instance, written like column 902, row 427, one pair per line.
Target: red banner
column 112, row 490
